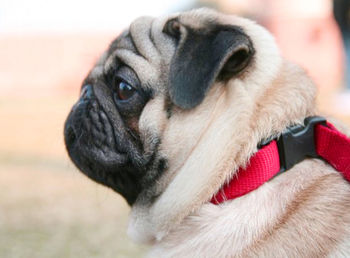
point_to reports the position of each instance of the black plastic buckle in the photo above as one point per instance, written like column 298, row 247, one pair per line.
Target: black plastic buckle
column 298, row 142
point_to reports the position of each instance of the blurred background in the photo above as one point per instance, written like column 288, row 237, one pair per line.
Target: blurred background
column 48, row 208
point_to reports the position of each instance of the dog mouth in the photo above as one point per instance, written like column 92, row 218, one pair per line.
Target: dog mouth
column 95, row 148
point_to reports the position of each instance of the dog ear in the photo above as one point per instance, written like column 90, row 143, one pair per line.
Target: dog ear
column 203, row 56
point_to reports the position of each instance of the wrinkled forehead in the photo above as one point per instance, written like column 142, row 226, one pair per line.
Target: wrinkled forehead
column 146, row 49
column 143, row 47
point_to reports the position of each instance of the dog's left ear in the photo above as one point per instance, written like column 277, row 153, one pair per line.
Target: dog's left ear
column 203, row 56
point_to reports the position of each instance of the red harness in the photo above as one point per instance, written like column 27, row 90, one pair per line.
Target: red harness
column 317, row 139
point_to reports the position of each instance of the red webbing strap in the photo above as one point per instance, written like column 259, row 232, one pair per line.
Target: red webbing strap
column 331, row 145
column 334, row 147
column 262, row 166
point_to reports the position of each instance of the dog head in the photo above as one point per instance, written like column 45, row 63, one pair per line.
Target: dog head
column 175, row 106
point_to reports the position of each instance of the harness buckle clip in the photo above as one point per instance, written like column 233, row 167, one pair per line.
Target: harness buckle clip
column 297, row 142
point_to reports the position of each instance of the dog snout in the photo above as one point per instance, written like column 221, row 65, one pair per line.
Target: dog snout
column 98, row 147
column 89, row 134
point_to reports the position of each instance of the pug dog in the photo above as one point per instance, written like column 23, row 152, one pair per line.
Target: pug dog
column 173, row 109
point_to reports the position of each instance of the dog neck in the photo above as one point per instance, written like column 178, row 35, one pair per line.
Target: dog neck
column 252, row 108
column 255, row 117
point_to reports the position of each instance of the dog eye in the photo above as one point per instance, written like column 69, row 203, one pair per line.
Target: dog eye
column 124, row 91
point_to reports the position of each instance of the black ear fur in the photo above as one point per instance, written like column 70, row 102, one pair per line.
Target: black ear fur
column 203, row 57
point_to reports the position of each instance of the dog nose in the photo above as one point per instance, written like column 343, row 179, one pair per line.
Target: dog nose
column 86, row 92
column 85, row 96
column 69, row 130
column 73, row 127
